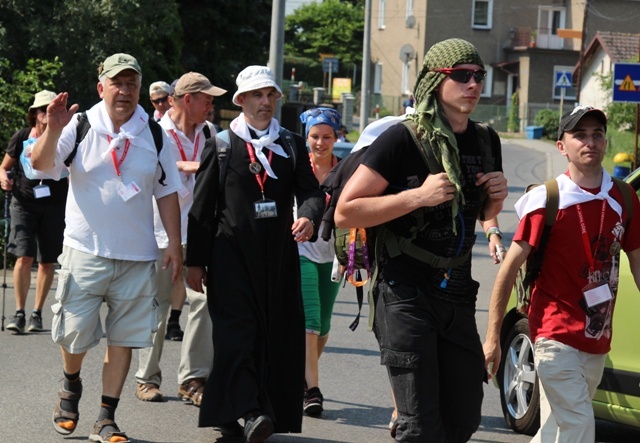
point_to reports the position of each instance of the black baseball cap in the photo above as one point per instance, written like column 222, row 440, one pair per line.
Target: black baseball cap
column 571, row 118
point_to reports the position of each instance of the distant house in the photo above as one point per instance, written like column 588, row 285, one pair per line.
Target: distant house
column 605, row 49
column 519, row 41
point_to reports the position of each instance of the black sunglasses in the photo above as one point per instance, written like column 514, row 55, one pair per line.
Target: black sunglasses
column 463, row 75
column 160, row 100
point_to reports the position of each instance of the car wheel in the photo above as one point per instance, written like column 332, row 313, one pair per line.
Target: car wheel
column 518, row 381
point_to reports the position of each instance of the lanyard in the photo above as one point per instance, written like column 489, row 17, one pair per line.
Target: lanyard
column 114, row 156
column 313, row 166
column 585, row 236
column 352, row 257
column 181, row 149
column 252, row 159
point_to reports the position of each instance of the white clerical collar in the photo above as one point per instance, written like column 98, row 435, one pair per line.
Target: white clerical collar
column 259, row 132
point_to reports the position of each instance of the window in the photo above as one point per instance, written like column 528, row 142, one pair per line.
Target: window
column 560, row 75
column 482, row 14
column 406, row 72
column 377, row 78
column 550, row 18
column 487, row 88
column 409, row 12
column 382, row 6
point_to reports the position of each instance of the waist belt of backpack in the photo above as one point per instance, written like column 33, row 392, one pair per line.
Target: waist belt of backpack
column 397, row 245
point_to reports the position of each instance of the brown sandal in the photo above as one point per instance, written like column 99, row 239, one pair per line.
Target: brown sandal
column 191, row 391
column 70, row 419
column 108, row 437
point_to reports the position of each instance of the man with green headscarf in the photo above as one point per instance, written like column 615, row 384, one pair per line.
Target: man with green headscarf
column 425, row 312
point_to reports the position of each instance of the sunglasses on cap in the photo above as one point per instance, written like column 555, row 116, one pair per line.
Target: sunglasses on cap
column 463, row 75
column 160, row 100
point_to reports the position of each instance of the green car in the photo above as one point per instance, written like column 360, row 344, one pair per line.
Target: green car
column 618, row 396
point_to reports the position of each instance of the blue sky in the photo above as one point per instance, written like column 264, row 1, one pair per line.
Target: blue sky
column 291, row 5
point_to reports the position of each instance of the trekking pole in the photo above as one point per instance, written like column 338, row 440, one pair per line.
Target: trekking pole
column 7, row 202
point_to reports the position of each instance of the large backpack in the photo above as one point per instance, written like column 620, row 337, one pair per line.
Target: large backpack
column 362, row 251
column 530, row 270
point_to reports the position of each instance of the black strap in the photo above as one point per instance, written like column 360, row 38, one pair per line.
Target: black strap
column 81, row 132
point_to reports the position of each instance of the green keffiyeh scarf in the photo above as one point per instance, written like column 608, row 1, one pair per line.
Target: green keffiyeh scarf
column 432, row 124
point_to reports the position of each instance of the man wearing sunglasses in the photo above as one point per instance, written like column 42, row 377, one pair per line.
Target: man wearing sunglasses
column 425, row 310
column 159, row 93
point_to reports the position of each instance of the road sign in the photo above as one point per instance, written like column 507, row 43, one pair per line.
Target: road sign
column 330, row 63
column 563, row 79
column 626, row 82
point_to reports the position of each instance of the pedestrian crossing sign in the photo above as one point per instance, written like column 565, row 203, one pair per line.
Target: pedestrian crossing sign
column 563, row 79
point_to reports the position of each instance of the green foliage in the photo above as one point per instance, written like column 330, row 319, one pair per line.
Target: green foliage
column 330, row 27
column 221, row 38
column 514, row 121
column 17, row 88
column 621, row 116
column 549, row 119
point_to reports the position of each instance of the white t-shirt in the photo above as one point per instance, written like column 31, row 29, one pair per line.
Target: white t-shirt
column 185, row 195
column 320, row 251
column 98, row 220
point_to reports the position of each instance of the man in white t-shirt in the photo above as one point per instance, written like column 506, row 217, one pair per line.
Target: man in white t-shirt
column 187, row 130
column 109, row 248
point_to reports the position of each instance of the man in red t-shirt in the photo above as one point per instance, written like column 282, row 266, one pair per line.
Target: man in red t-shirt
column 574, row 296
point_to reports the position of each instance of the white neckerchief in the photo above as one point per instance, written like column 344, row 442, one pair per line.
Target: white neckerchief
column 101, row 123
column 570, row 194
column 241, row 128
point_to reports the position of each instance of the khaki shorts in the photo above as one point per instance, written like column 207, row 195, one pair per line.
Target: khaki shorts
column 128, row 290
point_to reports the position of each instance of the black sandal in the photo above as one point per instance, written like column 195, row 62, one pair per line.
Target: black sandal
column 66, row 422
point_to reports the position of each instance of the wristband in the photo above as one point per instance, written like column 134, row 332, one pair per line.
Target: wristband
column 494, row 230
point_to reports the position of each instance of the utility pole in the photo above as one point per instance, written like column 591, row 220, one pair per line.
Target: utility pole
column 583, row 47
column 366, row 67
column 276, row 46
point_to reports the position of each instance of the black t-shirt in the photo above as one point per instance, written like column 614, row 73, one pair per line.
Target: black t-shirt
column 22, row 186
column 396, row 157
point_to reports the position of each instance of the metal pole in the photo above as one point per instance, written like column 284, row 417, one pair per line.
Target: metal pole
column 276, row 46
column 366, row 65
column 7, row 219
column 583, row 47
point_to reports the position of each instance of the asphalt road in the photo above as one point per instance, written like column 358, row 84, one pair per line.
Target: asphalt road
column 358, row 402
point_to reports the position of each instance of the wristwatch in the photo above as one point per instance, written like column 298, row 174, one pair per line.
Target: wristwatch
column 494, row 230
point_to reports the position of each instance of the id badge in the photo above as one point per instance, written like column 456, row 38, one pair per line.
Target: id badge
column 265, row 209
column 41, row 191
column 596, row 293
column 126, row 192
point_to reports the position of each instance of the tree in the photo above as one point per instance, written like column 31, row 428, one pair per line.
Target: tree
column 82, row 33
column 331, row 27
column 17, row 88
column 621, row 116
column 220, row 41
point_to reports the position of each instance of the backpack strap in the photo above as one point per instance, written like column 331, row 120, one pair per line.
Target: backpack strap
column 82, row 128
column 486, row 147
column 627, row 197
column 223, row 151
column 427, row 153
column 285, row 134
column 156, row 132
column 206, row 131
column 551, row 211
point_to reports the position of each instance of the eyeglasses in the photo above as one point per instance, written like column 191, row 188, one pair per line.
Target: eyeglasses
column 160, row 100
column 463, row 75
column 42, row 109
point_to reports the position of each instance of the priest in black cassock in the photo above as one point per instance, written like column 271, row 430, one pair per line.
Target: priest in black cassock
column 241, row 245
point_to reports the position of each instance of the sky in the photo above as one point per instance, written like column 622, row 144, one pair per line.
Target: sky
column 291, row 5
